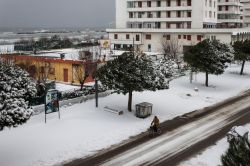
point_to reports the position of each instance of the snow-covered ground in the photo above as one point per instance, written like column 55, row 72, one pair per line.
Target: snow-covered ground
column 212, row 155
column 84, row 129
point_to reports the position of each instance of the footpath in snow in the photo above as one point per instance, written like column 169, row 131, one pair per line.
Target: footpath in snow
column 84, row 129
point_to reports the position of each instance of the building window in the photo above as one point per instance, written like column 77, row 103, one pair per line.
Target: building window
column 139, row 4
column 220, row 8
column 189, row 14
column 149, row 3
column 226, row 8
column 178, row 25
column 148, row 37
column 127, row 36
column 189, row 2
column 178, row 3
column 150, row 15
column 168, row 14
column 149, row 48
column 115, row 36
column 184, row 36
column 188, row 25
column 168, row 2
column 179, row 36
column 188, row 37
column 178, row 14
column 130, row 15
column 158, row 14
column 168, row 37
column 137, row 37
column 199, row 37
column 168, row 25
column 158, row 3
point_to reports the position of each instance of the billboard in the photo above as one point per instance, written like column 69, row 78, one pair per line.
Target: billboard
column 104, row 43
column 52, row 102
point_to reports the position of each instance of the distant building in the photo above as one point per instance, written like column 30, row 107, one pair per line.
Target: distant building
column 246, row 12
column 143, row 25
column 6, row 49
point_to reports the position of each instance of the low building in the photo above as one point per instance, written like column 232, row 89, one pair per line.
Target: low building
column 60, row 70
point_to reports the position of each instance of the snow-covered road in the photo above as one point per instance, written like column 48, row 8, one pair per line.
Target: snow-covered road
column 167, row 145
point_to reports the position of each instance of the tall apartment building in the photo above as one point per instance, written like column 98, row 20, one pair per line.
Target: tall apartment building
column 246, row 12
column 144, row 24
column 230, row 14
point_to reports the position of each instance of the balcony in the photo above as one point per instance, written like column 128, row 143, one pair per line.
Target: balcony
column 150, row 9
column 172, row 19
column 124, row 41
column 230, row 21
column 231, row 12
column 230, row 4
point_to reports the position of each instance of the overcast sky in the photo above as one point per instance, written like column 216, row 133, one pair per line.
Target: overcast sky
column 56, row 13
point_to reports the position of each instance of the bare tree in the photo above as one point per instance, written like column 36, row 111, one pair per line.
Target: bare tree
column 83, row 71
column 171, row 50
column 42, row 71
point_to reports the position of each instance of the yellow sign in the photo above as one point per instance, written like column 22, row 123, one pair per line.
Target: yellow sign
column 104, row 43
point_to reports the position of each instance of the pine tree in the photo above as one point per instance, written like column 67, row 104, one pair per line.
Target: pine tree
column 242, row 52
column 209, row 56
column 129, row 73
column 16, row 88
column 238, row 153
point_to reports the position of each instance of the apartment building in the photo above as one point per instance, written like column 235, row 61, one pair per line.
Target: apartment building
column 144, row 24
column 246, row 12
column 230, row 14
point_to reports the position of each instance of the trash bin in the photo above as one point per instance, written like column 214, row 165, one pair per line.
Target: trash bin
column 143, row 110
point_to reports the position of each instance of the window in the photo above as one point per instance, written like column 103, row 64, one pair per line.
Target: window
column 168, row 2
column 115, row 36
column 226, row 8
column 178, row 25
column 150, row 15
column 158, row 3
column 178, row 14
column 158, row 25
column 137, row 37
column 199, row 37
column 158, row 14
column 127, row 36
column 149, row 3
column 130, row 15
column 168, row 25
column 188, row 25
column 168, row 37
column 220, row 8
column 189, row 14
column 168, row 14
column 179, row 36
column 188, row 37
column 149, row 48
column 148, row 37
column 139, row 4
column 189, row 2
column 184, row 36
column 178, row 3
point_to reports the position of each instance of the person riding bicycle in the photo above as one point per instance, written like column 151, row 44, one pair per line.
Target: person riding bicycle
column 155, row 124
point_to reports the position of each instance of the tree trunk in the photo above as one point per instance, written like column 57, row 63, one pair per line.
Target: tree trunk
column 242, row 67
column 130, row 101
column 206, row 79
column 81, row 85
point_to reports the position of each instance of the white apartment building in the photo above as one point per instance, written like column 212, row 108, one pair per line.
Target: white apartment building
column 230, row 14
column 246, row 12
column 144, row 24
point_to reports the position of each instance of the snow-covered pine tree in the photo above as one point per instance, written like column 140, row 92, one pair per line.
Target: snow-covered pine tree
column 242, row 52
column 129, row 73
column 238, row 153
column 16, row 88
column 209, row 56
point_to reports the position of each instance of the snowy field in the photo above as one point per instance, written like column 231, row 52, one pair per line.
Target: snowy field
column 83, row 129
column 212, row 155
